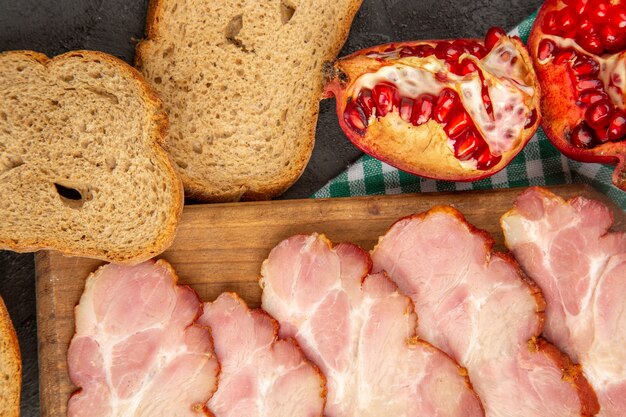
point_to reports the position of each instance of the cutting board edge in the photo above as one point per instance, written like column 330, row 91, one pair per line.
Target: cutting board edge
column 46, row 329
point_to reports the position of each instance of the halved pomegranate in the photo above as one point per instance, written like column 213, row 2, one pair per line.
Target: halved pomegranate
column 579, row 51
column 451, row 110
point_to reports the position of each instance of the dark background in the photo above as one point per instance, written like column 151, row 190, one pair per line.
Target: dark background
column 114, row 26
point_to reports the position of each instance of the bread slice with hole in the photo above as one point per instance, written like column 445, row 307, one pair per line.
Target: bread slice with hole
column 10, row 366
column 82, row 168
column 241, row 81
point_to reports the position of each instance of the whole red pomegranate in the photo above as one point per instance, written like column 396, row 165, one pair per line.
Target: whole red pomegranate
column 450, row 110
column 578, row 48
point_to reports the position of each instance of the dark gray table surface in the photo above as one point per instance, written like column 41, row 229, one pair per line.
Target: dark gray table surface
column 114, row 26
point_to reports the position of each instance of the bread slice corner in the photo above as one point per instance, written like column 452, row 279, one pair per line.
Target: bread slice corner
column 82, row 166
column 10, row 366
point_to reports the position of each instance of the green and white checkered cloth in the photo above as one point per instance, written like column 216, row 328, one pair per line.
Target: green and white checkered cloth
column 539, row 163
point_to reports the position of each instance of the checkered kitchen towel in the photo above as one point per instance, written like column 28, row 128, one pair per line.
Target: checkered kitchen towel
column 539, row 163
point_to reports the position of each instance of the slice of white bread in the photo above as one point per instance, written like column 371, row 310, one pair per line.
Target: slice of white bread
column 10, row 366
column 241, row 81
column 82, row 168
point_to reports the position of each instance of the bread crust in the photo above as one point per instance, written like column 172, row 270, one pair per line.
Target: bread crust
column 272, row 188
column 157, row 133
column 10, row 390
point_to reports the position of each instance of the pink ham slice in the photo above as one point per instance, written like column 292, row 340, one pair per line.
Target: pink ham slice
column 476, row 305
column 261, row 376
column 361, row 332
column 564, row 246
column 136, row 351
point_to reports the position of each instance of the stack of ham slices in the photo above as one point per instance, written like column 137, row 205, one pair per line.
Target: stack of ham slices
column 538, row 332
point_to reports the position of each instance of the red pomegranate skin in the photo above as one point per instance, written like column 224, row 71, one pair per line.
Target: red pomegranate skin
column 471, row 108
column 582, row 72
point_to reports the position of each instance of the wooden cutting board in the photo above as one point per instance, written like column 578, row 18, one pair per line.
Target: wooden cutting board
column 221, row 247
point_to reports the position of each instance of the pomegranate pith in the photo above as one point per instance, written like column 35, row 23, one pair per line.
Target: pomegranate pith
column 581, row 73
column 454, row 110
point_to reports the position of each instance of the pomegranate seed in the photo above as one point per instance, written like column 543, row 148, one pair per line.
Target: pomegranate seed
column 448, row 99
column 484, row 158
column 587, row 27
column 590, row 42
column 442, row 49
column 456, row 69
column 386, row 97
column 598, row 11
column 588, row 97
column 618, row 17
column 478, row 50
column 602, row 134
column 406, row 109
column 492, row 37
column 366, row 102
column 599, row 113
column 550, row 24
column 568, row 21
column 466, row 66
column 442, row 76
column 423, row 109
column 531, row 119
column 464, row 45
column 355, row 118
column 547, row 49
column 407, row 51
column 613, row 39
column 582, row 136
column 457, row 124
column 617, row 127
column 564, row 56
column 589, row 84
column 454, row 52
column 584, row 65
column 580, row 6
column 466, row 145
column 424, row 50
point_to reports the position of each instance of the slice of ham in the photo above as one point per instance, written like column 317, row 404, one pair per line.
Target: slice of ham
column 477, row 306
column 360, row 331
column 136, row 351
column 261, row 376
column 581, row 268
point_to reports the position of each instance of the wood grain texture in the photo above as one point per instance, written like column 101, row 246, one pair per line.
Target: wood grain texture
column 221, row 247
